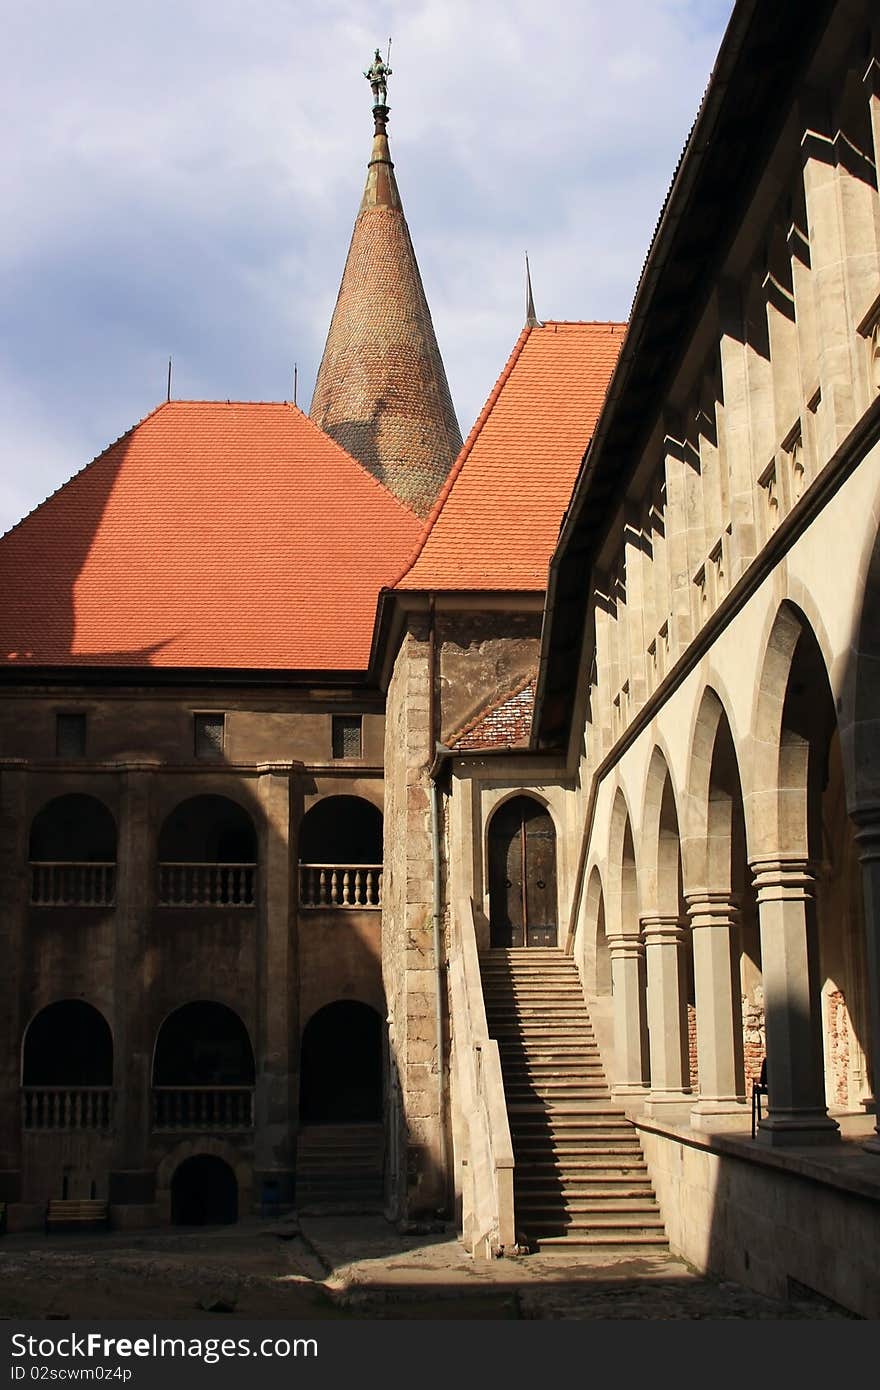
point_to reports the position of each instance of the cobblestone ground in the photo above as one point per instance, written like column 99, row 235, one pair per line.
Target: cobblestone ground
column 351, row 1267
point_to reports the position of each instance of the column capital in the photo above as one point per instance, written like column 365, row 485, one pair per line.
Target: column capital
column 663, row 928
column 783, row 877
column 867, row 831
column 708, row 907
column 625, row 945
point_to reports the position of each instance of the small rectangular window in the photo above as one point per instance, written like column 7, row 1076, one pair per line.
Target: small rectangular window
column 346, row 735
column 209, row 731
column 70, row 735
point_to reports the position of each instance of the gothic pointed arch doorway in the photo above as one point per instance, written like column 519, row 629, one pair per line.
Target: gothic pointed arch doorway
column 522, row 875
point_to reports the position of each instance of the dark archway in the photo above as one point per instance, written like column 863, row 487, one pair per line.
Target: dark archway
column 522, row 875
column 203, row 1044
column 341, row 1065
column 341, row 830
column 73, row 829
column 208, row 830
column 204, row 1192
column 68, row 1044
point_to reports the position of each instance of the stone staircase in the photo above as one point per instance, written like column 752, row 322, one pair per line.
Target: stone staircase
column 580, row 1178
column 339, row 1168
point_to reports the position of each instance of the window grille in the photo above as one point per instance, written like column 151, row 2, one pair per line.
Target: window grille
column 346, row 736
column 209, row 731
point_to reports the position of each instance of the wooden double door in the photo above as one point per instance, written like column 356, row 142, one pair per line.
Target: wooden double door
column 522, row 875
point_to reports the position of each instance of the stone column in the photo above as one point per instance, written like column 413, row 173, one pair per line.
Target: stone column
column 868, row 841
column 714, row 919
column 132, row 1182
column 14, row 887
column 667, row 1018
column 276, row 1011
column 797, row 1114
column 630, row 1025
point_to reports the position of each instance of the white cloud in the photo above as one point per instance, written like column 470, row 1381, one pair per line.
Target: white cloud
column 182, row 177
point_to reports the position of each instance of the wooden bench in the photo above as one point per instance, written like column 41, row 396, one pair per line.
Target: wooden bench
column 61, row 1212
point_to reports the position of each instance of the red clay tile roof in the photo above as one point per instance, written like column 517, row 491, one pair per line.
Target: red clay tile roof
column 496, row 522
column 506, row 723
column 381, row 390
column 213, row 534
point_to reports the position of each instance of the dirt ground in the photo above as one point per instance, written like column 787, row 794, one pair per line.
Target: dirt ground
column 338, row 1267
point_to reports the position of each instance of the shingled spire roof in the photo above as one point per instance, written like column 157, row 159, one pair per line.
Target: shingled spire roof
column 381, row 390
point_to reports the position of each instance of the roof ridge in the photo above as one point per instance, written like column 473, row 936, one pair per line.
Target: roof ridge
column 466, row 449
column 86, row 466
column 351, row 459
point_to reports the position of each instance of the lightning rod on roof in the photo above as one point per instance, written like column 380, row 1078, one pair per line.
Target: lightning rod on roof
column 294, row 383
column 168, row 393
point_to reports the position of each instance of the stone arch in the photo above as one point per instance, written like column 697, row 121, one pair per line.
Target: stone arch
column 342, row 1064
column 660, row 838
column 521, row 856
column 860, row 734
column 788, row 721
column 631, row 1061
column 67, row 1043
column 204, row 1192
column 595, row 953
column 193, row 1148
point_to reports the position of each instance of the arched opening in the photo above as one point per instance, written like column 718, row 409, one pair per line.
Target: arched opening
column 203, row 1044
column 203, row 1070
column 340, row 854
column 207, row 855
column 596, row 956
column 67, row 1068
column 341, row 1065
column 72, row 852
column 68, row 1044
column 204, row 1192
column 522, row 875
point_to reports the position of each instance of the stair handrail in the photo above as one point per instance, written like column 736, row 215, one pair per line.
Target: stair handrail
column 481, row 1131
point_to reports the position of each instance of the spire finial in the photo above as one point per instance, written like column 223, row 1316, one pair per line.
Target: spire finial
column 377, row 75
column 532, row 320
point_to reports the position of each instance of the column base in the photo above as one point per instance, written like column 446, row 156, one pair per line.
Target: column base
column 669, row 1104
column 779, row 1131
column 872, row 1145
column 726, row 1112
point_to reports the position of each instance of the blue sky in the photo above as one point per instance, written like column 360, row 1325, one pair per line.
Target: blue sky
column 180, row 177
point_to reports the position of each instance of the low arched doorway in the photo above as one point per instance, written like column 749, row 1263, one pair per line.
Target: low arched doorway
column 341, row 1065
column 204, row 1192
column 522, row 875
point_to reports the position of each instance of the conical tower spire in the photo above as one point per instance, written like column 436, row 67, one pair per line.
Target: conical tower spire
column 381, row 390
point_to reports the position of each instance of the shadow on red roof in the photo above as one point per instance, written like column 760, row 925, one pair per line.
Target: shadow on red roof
column 213, row 534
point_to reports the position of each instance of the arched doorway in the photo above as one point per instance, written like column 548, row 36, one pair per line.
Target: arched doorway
column 204, row 1192
column 522, row 875
column 341, row 1065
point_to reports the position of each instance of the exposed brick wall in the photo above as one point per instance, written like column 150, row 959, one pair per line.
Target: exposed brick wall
column 754, row 1037
column 837, row 1036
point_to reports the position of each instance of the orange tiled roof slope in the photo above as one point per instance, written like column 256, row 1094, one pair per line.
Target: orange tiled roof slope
column 213, row 534
column 497, row 519
column 506, row 723
column 381, row 390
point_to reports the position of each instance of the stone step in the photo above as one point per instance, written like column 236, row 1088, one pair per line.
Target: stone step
column 598, row 1242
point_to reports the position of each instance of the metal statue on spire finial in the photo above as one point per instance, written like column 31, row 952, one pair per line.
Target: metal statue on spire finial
column 377, row 75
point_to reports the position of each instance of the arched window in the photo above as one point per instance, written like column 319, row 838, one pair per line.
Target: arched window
column 207, row 855
column 340, row 854
column 67, row 1068
column 341, row 1064
column 203, row 1070
column 73, row 853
